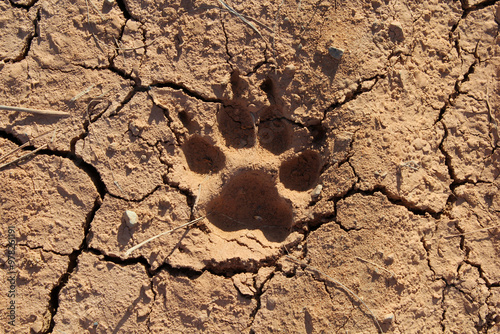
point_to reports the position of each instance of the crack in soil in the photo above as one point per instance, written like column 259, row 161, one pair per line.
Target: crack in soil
column 447, row 160
column 155, row 295
column 190, row 197
column 443, row 307
column 184, row 89
column 229, row 56
column 453, row 96
column 467, row 9
column 43, row 250
column 358, row 91
column 72, row 264
column 18, row 5
column 123, row 7
column 31, row 35
column 487, row 324
column 427, row 249
column 234, row 266
column 90, row 170
column 179, row 137
column 258, row 296
column 36, row 33
column 138, row 200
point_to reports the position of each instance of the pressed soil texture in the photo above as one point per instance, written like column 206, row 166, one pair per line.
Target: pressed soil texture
column 342, row 160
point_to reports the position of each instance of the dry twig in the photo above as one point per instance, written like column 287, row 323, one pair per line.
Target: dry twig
column 465, row 233
column 234, row 12
column 5, row 156
column 275, row 25
column 35, row 111
column 79, row 95
column 376, row 265
column 24, row 156
column 193, row 210
column 127, row 253
column 492, row 119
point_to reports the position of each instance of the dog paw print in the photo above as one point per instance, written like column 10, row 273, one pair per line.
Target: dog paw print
column 249, row 165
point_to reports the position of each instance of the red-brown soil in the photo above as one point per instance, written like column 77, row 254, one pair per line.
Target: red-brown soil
column 345, row 156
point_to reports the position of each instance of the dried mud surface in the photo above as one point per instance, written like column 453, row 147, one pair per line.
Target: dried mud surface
column 353, row 192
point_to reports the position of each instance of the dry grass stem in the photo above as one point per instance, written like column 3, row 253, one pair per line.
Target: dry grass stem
column 492, row 119
column 5, row 156
column 376, row 265
column 136, row 48
column 35, row 111
column 127, row 253
column 24, row 156
column 248, row 18
column 275, row 26
column 338, row 283
column 118, row 186
column 465, row 233
column 119, row 47
column 96, row 9
column 197, row 199
column 53, row 137
column 88, row 14
column 250, row 24
column 79, row 95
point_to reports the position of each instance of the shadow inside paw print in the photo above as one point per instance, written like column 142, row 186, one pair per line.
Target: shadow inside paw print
column 275, row 132
column 237, row 125
column 201, row 156
column 250, row 198
column 301, row 172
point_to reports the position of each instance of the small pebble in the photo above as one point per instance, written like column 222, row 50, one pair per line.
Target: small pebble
column 114, row 146
column 290, row 68
column 388, row 318
column 316, row 191
column 335, row 53
column 134, row 129
column 130, row 217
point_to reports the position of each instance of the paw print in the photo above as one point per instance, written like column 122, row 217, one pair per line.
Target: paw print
column 248, row 163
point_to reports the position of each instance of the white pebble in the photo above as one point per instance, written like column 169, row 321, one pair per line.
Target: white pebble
column 290, row 68
column 130, row 217
column 388, row 318
column 316, row 191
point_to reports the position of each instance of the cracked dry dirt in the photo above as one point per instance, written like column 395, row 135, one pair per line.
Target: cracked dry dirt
column 179, row 110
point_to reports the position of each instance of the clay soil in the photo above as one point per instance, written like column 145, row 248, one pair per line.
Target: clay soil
column 343, row 158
